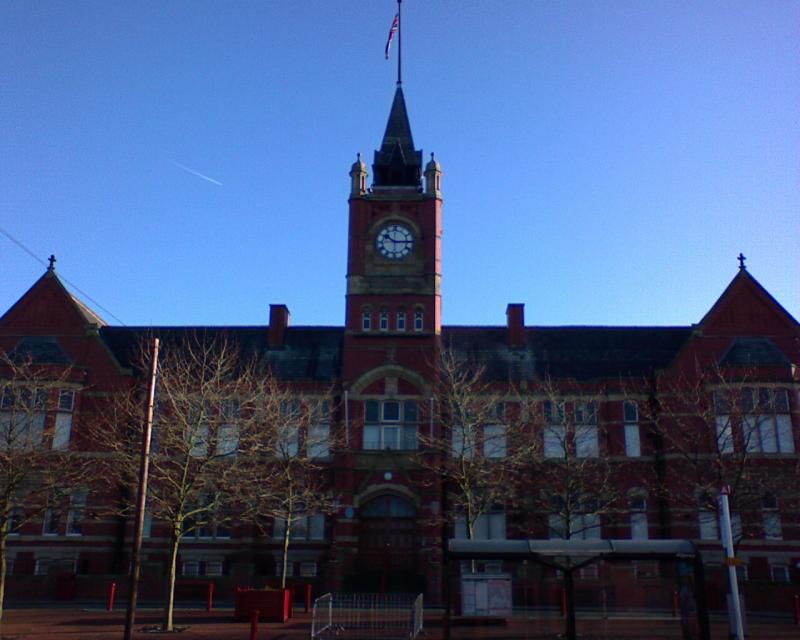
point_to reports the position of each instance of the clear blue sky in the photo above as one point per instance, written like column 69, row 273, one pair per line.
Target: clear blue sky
column 604, row 162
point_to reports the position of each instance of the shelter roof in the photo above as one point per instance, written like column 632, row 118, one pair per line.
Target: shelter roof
column 570, row 548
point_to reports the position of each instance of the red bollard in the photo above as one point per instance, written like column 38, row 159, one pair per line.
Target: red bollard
column 210, row 597
column 112, row 594
column 675, row 604
column 254, row 625
column 563, row 602
column 797, row 609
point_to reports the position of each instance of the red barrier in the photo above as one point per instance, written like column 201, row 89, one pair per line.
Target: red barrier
column 210, row 597
column 563, row 602
column 797, row 609
column 254, row 625
column 112, row 594
column 675, row 604
column 275, row 605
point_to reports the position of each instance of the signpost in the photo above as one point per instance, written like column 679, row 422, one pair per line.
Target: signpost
column 734, row 605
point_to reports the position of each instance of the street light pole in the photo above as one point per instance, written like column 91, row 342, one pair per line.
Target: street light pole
column 734, row 606
column 130, row 614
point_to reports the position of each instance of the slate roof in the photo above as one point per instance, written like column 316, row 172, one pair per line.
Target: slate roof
column 752, row 351
column 397, row 163
column 40, row 350
column 580, row 353
column 309, row 353
column 315, row 353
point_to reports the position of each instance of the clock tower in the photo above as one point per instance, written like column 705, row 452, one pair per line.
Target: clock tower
column 390, row 357
column 394, row 254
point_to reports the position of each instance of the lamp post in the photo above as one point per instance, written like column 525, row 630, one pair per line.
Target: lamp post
column 734, row 606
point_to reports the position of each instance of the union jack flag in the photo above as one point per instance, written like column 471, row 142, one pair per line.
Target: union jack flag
column 392, row 31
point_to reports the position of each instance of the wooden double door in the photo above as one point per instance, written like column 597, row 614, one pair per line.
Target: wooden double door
column 387, row 549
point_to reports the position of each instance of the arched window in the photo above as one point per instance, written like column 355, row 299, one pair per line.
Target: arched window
column 366, row 319
column 384, row 319
column 418, row 320
column 400, row 325
column 638, row 507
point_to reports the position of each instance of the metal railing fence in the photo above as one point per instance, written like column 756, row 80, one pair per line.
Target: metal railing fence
column 377, row 616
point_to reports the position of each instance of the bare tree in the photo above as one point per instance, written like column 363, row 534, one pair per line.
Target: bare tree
column 715, row 424
column 287, row 457
column 479, row 449
column 573, row 482
column 38, row 471
column 207, row 396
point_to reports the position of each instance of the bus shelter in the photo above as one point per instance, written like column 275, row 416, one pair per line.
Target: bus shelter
column 569, row 556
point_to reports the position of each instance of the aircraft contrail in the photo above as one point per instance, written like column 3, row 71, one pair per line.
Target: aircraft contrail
column 193, row 172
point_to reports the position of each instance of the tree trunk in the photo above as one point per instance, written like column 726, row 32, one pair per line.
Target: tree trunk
column 473, row 567
column 287, row 533
column 569, row 590
column 169, row 605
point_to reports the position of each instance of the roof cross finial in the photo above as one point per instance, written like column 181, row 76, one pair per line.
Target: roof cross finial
column 52, row 261
column 741, row 258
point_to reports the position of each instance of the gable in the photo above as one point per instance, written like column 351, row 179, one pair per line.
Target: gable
column 746, row 308
column 47, row 308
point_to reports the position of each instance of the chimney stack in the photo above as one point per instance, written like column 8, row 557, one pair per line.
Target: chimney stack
column 278, row 323
column 515, row 321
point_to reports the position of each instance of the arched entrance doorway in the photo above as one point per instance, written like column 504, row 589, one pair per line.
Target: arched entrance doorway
column 387, row 549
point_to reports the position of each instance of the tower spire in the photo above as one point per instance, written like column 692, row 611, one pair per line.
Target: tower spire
column 397, row 163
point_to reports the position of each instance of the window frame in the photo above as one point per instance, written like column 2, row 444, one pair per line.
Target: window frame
column 391, row 434
column 419, row 320
column 777, row 569
column 639, row 523
column 76, row 512
column 51, row 521
column 305, row 528
column 706, row 520
column 631, row 431
column 491, row 525
column 495, row 447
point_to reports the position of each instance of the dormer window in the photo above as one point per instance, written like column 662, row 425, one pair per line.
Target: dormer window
column 418, row 320
column 384, row 320
column 366, row 320
column 401, row 321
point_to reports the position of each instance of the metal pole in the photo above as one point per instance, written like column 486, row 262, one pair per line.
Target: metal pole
column 399, row 44
column 346, row 419
column 430, row 426
column 130, row 614
column 727, row 543
column 445, row 557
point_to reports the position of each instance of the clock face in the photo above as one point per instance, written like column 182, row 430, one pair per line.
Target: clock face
column 394, row 241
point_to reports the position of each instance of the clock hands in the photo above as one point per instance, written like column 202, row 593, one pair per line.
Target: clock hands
column 395, row 241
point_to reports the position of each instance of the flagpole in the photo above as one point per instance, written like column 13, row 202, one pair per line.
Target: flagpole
column 399, row 44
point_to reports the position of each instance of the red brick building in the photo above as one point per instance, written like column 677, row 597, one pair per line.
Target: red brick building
column 381, row 368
